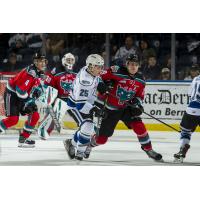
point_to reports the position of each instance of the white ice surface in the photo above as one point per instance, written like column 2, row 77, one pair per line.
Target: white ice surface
column 121, row 150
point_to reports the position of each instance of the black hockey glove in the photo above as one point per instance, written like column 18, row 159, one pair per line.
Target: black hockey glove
column 97, row 112
column 136, row 107
column 36, row 92
column 104, row 87
column 29, row 107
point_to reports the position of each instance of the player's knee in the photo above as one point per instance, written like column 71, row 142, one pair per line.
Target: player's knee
column 87, row 127
column 14, row 120
column 101, row 139
column 138, row 127
column 36, row 116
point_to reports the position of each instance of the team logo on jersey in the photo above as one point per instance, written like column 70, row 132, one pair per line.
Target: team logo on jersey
column 124, row 94
column 66, row 85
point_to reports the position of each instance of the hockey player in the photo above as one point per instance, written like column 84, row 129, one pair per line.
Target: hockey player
column 60, row 79
column 19, row 98
column 190, row 120
column 130, row 90
column 81, row 100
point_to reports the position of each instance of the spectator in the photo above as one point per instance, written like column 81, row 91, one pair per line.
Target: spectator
column 151, row 71
column 55, row 44
column 34, row 42
column 124, row 51
column 11, row 65
column 145, row 51
column 165, row 74
column 17, row 43
column 194, row 71
column 4, row 37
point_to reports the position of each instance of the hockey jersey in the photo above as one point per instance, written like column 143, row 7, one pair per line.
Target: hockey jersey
column 125, row 88
column 83, row 93
column 62, row 82
column 194, row 93
column 25, row 82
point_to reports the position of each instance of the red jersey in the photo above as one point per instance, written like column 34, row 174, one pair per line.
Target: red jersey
column 62, row 82
column 24, row 82
column 125, row 88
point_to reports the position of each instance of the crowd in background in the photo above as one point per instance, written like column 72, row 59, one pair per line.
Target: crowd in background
column 154, row 50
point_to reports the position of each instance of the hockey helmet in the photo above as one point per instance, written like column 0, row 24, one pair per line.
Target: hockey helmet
column 68, row 61
column 94, row 60
column 132, row 58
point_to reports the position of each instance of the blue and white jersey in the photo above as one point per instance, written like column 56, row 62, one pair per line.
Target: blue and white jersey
column 83, row 93
column 194, row 93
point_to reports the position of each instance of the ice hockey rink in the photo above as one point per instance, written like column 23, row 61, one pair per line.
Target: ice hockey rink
column 123, row 149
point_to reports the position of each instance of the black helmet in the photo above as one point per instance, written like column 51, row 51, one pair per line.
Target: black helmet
column 132, row 58
column 39, row 56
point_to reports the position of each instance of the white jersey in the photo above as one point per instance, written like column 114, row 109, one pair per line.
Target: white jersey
column 194, row 93
column 83, row 93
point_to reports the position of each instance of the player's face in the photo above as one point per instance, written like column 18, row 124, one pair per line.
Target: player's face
column 132, row 67
column 96, row 70
column 41, row 64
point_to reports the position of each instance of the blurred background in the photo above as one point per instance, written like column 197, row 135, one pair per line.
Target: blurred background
column 163, row 56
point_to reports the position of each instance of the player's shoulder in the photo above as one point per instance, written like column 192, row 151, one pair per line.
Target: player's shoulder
column 197, row 78
column 32, row 71
column 85, row 78
column 56, row 71
column 140, row 78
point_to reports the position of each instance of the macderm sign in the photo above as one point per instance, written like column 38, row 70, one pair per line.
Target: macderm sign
column 166, row 100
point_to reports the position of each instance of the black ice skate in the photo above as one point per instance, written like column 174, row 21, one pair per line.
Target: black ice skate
column 2, row 130
column 178, row 157
column 26, row 143
column 154, row 155
column 79, row 155
column 69, row 148
column 87, row 152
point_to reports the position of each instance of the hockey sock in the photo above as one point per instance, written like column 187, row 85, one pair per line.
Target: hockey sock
column 185, row 136
column 75, row 139
column 83, row 139
column 30, row 124
column 98, row 140
column 9, row 122
column 142, row 134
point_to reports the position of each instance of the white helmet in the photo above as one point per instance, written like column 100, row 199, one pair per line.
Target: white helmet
column 68, row 61
column 94, row 59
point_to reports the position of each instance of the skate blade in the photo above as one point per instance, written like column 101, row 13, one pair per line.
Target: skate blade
column 178, row 160
column 160, row 161
column 70, row 158
column 23, row 146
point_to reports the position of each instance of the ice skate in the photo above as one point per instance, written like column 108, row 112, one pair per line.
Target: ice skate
column 79, row 155
column 2, row 131
column 69, row 148
column 178, row 157
column 87, row 152
column 154, row 155
column 26, row 143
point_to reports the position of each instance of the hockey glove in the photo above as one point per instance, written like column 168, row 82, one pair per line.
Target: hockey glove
column 97, row 112
column 36, row 92
column 136, row 108
column 29, row 107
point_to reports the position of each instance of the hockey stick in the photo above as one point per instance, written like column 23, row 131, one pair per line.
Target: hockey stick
column 128, row 104
column 100, row 117
column 52, row 113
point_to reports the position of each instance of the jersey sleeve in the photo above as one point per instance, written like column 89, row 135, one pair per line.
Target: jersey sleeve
column 191, row 87
column 109, row 75
column 23, row 85
column 50, row 80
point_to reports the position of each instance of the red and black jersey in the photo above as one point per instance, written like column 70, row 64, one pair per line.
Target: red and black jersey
column 61, row 81
column 125, row 88
column 23, row 83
